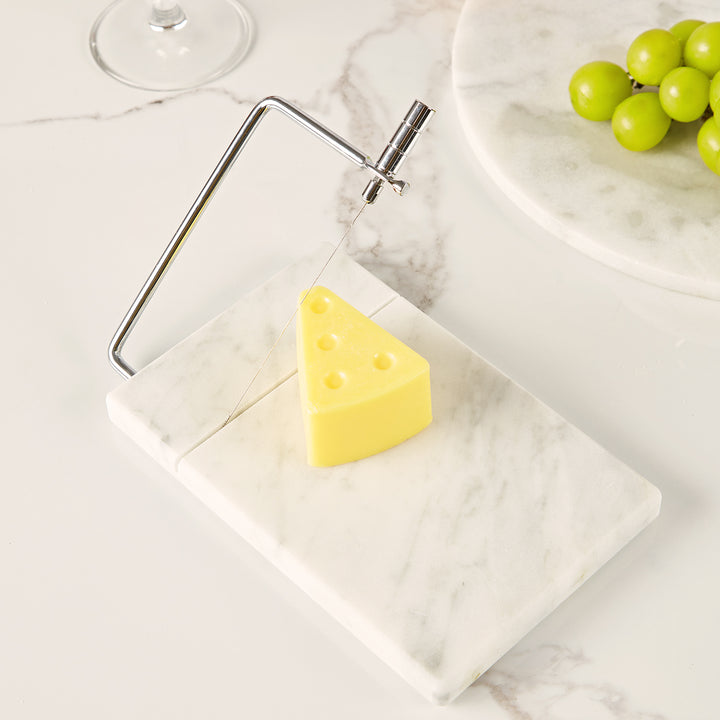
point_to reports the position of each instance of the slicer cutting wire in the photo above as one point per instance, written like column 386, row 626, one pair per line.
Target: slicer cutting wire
column 383, row 171
column 294, row 313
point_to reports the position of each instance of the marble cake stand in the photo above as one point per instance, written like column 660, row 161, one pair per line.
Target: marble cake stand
column 653, row 215
column 438, row 554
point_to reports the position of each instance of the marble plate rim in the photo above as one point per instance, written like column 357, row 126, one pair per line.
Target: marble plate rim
column 632, row 267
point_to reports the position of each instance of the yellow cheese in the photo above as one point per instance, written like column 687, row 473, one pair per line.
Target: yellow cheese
column 362, row 390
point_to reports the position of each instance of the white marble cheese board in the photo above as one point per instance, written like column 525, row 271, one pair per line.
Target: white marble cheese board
column 439, row 554
column 652, row 215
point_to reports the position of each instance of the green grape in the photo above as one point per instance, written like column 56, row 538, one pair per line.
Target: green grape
column 714, row 95
column 639, row 122
column 708, row 141
column 597, row 88
column 684, row 93
column 652, row 55
column 702, row 49
column 684, row 29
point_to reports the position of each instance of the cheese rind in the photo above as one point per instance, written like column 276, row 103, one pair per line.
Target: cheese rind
column 362, row 390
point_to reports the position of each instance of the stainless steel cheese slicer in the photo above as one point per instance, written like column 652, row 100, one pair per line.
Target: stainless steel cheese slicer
column 438, row 554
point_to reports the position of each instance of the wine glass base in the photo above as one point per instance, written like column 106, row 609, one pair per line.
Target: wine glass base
column 214, row 38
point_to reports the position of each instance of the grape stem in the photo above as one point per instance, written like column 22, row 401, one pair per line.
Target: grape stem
column 635, row 84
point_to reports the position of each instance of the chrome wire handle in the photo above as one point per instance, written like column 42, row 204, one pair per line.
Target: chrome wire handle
column 390, row 160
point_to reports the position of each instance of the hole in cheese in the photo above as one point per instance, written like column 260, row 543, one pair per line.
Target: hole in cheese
column 383, row 360
column 320, row 304
column 328, row 341
column 334, row 380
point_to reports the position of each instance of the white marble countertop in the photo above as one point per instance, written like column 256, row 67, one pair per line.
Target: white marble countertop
column 120, row 595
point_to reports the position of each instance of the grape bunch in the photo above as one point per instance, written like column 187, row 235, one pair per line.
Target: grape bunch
column 671, row 75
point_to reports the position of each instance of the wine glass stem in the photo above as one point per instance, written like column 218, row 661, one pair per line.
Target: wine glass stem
column 166, row 15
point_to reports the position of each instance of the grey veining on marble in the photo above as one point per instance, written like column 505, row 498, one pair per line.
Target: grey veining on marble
column 652, row 215
column 403, row 242
column 189, row 392
column 550, row 680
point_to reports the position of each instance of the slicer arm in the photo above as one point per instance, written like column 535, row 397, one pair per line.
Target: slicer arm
column 383, row 171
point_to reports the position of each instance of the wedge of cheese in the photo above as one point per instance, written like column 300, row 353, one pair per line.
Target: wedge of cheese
column 362, row 390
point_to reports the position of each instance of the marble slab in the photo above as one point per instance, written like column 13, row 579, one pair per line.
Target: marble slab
column 439, row 554
column 187, row 393
column 652, row 215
